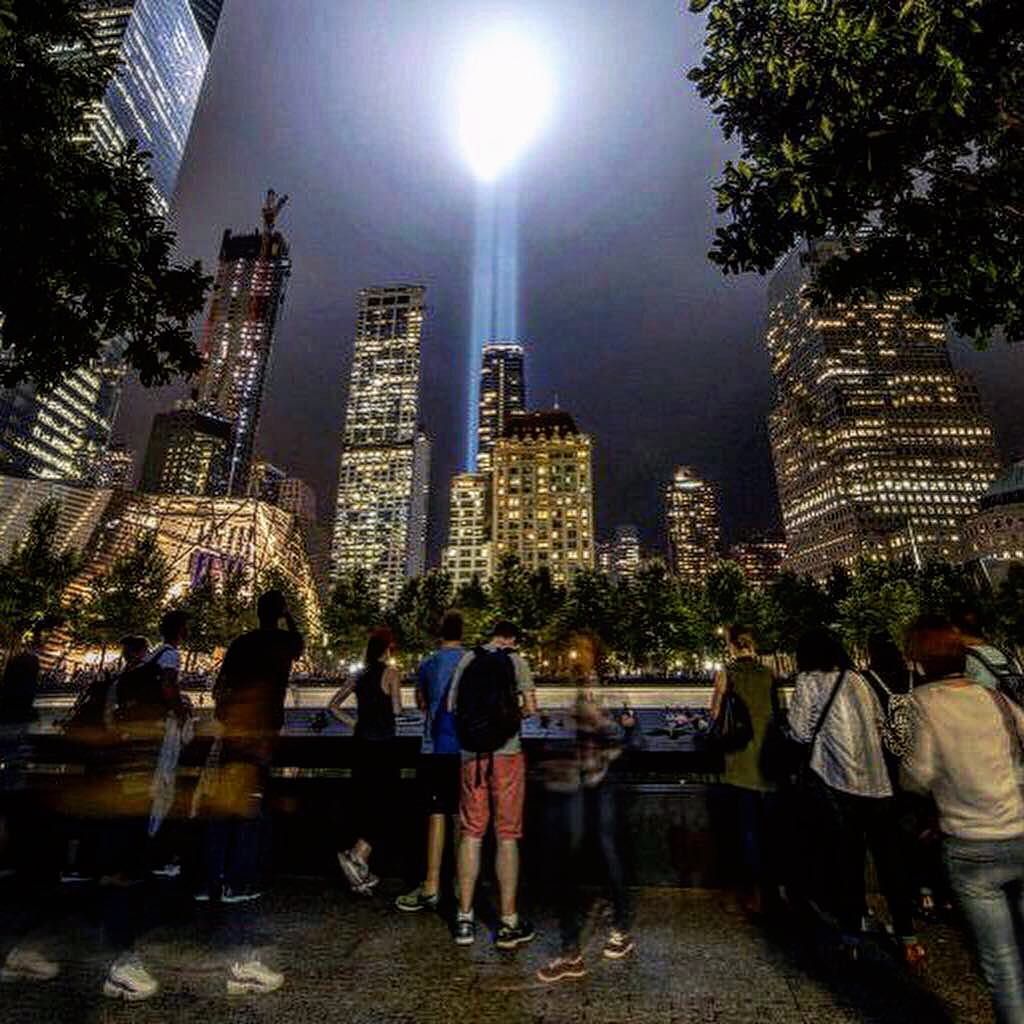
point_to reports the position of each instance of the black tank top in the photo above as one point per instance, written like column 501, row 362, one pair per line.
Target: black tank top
column 375, row 718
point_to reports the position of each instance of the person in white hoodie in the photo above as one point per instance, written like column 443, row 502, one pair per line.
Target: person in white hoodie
column 968, row 753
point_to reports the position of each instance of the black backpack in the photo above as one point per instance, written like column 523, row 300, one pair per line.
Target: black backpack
column 87, row 721
column 140, row 696
column 1008, row 674
column 487, row 712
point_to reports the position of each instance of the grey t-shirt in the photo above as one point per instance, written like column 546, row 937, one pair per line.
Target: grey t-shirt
column 524, row 685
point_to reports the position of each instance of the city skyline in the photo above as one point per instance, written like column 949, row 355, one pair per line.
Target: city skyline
column 658, row 357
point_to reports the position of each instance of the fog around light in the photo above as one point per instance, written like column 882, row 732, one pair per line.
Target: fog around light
column 504, row 96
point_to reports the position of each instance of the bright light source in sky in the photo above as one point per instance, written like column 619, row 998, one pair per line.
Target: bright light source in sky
column 504, row 95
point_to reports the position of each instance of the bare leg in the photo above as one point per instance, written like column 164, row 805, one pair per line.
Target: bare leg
column 435, row 853
column 469, row 869
column 507, row 865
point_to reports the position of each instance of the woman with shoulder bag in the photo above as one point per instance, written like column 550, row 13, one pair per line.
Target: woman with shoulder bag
column 751, row 793
column 837, row 714
column 969, row 754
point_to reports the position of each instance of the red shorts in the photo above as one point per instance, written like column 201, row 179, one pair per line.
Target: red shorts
column 505, row 784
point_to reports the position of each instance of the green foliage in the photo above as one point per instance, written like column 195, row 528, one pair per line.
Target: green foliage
column 349, row 615
column 1008, row 609
column 87, row 267
column 275, row 579
column 416, row 616
column 33, row 580
column 899, row 124
column 129, row 597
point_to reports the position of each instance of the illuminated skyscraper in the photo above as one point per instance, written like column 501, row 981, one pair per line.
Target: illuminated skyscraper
column 380, row 523
column 543, row 496
column 116, row 467
column 154, row 94
column 187, row 453
column 248, row 294
column 502, row 393
column 881, row 448
column 468, row 553
column 760, row 559
column 265, row 481
column 691, row 519
column 62, row 434
column 297, row 497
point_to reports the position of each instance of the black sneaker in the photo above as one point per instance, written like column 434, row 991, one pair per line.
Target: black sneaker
column 511, row 938
column 417, row 900
column 465, row 931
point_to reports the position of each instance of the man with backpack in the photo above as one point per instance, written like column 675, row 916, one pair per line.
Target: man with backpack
column 988, row 665
column 492, row 690
column 440, row 767
column 146, row 693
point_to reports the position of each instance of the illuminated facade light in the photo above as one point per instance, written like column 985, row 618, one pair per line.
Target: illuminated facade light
column 542, row 495
column 187, row 453
column 692, row 525
column 994, row 535
column 880, row 447
column 621, row 556
column 761, row 560
column 468, row 552
column 384, row 476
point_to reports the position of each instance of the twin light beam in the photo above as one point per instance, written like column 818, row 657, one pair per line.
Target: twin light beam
column 505, row 92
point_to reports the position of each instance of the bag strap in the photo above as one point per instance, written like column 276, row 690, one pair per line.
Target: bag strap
column 1002, row 702
column 997, row 671
column 828, row 707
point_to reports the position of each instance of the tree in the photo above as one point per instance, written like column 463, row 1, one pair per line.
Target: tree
column 87, row 269
column 1009, row 609
column 305, row 622
column 797, row 603
column 416, row 616
column 725, row 587
column 897, row 124
column 473, row 602
column 349, row 615
column 33, row 580
column 129, row 597
column 883, row 598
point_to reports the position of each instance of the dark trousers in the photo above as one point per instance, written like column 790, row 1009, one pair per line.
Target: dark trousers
column 860, row 823
column 375, row 776
column 575, row 818
column 755, row 821
column 125, row 874
column 231, row 853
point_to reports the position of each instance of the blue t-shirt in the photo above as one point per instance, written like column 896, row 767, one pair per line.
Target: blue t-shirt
column 434, row 677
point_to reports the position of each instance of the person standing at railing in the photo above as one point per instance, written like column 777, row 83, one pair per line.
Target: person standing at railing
column 440, row 765
column 378, row 690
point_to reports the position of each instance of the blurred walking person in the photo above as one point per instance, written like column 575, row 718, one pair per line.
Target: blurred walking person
column 836, row 713
column 249, row 698
column 440, row 765
column 581, row 809
column 378, row 690
column 969, row 755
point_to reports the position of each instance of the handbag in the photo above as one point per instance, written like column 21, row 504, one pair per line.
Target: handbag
column 782, row 757
column 733, row 729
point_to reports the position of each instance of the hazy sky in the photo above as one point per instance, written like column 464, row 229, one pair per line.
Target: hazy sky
column 347, row 106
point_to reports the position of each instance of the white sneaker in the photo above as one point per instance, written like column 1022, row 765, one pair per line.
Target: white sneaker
column 253, row 977
column 28, row 965
column 130, row 981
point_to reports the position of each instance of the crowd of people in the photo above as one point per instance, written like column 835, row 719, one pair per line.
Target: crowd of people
column 917, row 757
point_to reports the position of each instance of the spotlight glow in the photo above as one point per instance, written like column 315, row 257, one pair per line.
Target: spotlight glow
column 504, row 97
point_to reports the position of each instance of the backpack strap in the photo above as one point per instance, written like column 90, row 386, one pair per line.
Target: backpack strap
column 996, row 670
column 1002, row 702
column 828, row 707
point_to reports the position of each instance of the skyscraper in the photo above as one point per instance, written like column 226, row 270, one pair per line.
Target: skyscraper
column 468, row 552
column 502, row 393
column 880, row 447
column 760, row 559
column 248, row 294
column 62, row 434
column 207, row 14
column 153, row 96
column 265, row 480
column 383, row 479
column 543, row 499
column 691, row 520
column 187, row 453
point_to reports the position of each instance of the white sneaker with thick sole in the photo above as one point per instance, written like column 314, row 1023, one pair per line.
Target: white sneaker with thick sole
column 130, row 981
column 28, row 965
column 253, row 978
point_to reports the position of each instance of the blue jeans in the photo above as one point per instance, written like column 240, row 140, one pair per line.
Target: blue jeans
column 987, row 879
column 756, row 813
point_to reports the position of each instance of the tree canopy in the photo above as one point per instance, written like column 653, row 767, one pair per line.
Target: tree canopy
column 896, row 126
column 87, row 269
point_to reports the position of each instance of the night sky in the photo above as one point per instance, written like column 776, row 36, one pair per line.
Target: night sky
column 347, row 106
